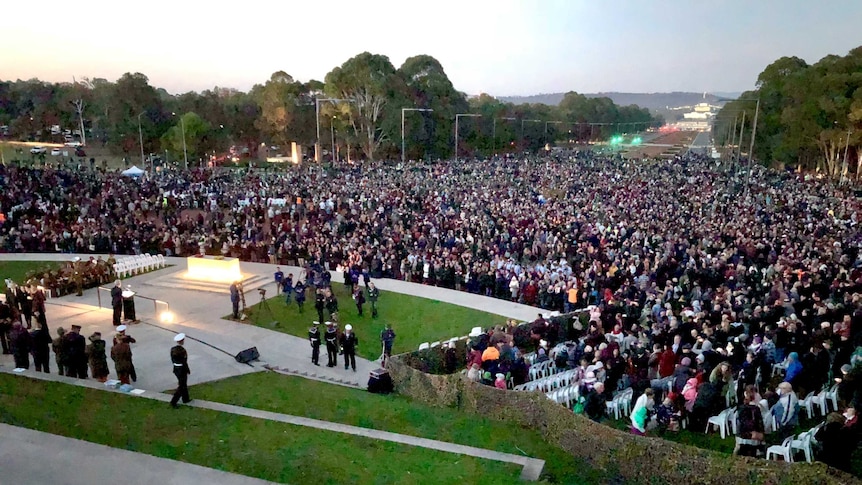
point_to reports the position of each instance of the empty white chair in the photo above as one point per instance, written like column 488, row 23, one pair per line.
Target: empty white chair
column 783, row 450
column 803, row 443
column 161, row 259
column 720, row 421
column 626, row 401
column 424, row 345
column 435, row 344
column 808, row 404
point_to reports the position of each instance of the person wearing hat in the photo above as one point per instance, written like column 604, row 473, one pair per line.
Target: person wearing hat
column 314, row 340
column 117, row 302
column 75, row 350
column 59, row 353
column 180, row 361
column 78, row 276
column 120, row 336
column 388, row 339
column 349, row 342
column 97, row 357
column 331, row 339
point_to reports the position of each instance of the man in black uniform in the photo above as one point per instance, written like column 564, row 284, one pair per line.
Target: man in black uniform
column 314, row 339
column 5, row 326
column 319, row 303
column 348, row 346
column 331, row 338
column 117, row 301
column 180, row 360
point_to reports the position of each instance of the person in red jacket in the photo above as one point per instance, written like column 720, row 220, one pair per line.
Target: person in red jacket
column 667, row 362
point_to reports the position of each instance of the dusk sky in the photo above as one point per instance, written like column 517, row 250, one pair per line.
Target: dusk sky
column 500, row 47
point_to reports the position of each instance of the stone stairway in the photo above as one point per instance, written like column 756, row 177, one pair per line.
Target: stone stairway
column 352, row 383
column 250, row 283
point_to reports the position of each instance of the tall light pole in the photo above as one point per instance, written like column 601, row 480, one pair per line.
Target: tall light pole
column 844, row 165
column 332, row 137
column 494, row 133
column 404, row 110
column 141, row 139
column 317, row 118
column 457, row 117
column 523, row 145
column 185, row 152
column 545, row 136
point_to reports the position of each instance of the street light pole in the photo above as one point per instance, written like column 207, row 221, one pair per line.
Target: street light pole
column 751, row 145
column 317, row 118
column 457, row 117
column 332, row 137
column 844, row 165
column 141, row 139
column 494, row 133
column 404, row 110
column 522, row 131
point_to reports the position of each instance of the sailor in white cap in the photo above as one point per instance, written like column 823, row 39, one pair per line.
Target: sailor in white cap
column 180, row 360
column 314, row 339
column 348, row 347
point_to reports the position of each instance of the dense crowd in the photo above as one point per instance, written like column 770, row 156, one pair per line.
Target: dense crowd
column 699, row 275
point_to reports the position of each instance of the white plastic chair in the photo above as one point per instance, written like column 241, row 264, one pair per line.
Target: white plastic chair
column 803, row 443
column 424, row 345
column 613, row 406
column 783, row 450
column 720, row 421
column 780, row 368
column 730, row 397
column 435, row 344
column 808, row 404
column 731, row 421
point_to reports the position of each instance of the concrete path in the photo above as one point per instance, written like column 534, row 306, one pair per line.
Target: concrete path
column 532, row 467
column 28, row 456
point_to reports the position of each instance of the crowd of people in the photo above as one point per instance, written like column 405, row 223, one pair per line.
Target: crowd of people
column 699, row 275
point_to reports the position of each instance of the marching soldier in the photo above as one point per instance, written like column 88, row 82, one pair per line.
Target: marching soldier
column 348, row 346
column 331, row 338
column 373, row 294
column 180, row 360
column 314, row 339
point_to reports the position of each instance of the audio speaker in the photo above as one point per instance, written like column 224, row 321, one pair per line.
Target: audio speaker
column 247, row 355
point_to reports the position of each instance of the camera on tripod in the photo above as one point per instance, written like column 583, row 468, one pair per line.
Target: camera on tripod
column 262, row 292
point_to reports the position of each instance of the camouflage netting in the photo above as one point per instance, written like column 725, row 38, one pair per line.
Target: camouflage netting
column 625, row 457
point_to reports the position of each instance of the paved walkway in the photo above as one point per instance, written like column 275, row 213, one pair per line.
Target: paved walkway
column 28, row 456
column 532, row 467
column 212, row 342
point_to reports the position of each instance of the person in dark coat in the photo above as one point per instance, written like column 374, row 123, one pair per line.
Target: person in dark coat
column 838, row 442
column 59, row 352
column 97, row 357
column 388, row 339
column 299, row 291
column 117, row 302
column 6, row 315
column 21, row 346
column 25, row 303
column 359, row 298
column 234, row 299
column 314, row 340
column 331, row 339
column 332, row 305
column 41, row 340
column 373, row 295
column 319, row 303
column 595, row 406
column 75, row 350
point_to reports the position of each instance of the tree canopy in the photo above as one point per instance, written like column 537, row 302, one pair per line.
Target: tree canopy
column 360, row 102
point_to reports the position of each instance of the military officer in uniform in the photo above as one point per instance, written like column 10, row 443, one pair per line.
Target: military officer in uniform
column 348, row 345
column 314, row 339
column 180, row 360
column 331, row 338
column 78, row 268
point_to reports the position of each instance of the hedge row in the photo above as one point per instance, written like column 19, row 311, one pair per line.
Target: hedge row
column 621, row 456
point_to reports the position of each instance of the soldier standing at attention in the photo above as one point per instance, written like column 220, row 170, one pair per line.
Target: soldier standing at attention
column 57, row 347
column 331, row 338
column 319, row 303
column 373, row 294
column 78, row 276
column 314, row 339
column 180, row 360
column 348, row 345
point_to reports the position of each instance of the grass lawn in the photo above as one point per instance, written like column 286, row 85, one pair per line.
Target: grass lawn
column 16, row 270
column 293, row 395
column 253, row 447
column 414, row 319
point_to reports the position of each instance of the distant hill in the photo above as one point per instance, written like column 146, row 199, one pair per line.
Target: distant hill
column 653, row 101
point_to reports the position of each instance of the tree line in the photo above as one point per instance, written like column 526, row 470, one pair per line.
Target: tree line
column 358, row 105
column 809, row 116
